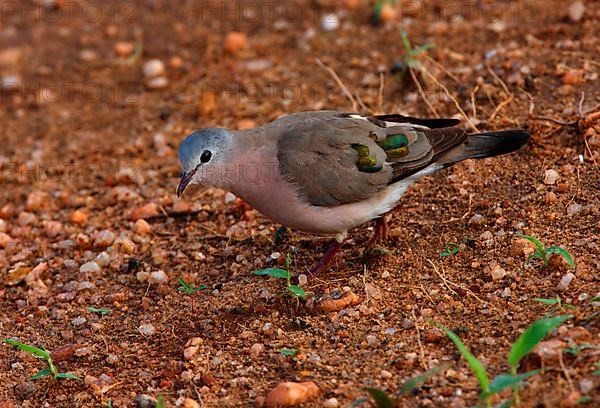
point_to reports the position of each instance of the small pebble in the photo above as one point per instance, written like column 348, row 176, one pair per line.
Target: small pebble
column 190, row 403
column 386, row 374
column 330, row 22
column 157, row 83
column 88, row 55
column 576, row 11
column 158, row 277
column 235, row 41
column 586, row 385
column 385, row 275
column 573, row 209
column 302, row 279
column 550, row 177
column 90, row 267
column 142, row 227
column 10, row 83
column 331, row 403
column 550, row 198
column 5, row 239
column 124, row 48
column 190, row 352
column 229, row 198
column 476, row 219
column 103, row 259
column 565, row 281
column 145, row 401
column 146, row 329
column 145, row 211
column 79, row 217
column 104, row 238
column 3, row 226
column 371, row 340
column 52, row 228
column 257, row 349
column 78, row 321
column 388, row 13
column 154, row 68
column 498, row 272
column 26, row 218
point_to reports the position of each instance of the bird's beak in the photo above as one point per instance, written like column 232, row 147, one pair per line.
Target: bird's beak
column 185, row 180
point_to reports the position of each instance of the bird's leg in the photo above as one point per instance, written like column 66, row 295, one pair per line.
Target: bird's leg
column 329, row 253
column 380, row 233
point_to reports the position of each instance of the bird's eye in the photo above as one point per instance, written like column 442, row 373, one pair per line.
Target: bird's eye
column 205, row 157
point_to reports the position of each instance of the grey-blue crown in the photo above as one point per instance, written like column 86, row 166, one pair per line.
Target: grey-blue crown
column 192, row 147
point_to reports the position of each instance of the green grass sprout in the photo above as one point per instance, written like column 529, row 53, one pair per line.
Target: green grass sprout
column 520, row 348
column 544, row 253
column 44, row 355
column 189, row 289
column 452, row 248
column 381, row 398
column 293, row 290
column 291, row 353
column 99, row 311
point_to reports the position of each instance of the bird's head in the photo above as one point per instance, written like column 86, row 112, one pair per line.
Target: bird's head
column 200, row 154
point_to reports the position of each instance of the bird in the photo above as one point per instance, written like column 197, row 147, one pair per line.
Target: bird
column 327, row 172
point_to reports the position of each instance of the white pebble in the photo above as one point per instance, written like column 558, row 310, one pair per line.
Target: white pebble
column 229, row 198
column 78, row 321
column 565, row 281
column 158, row 277
column 576, row 11
column 330, row 22
column 386, row 374
column 103, row 259
column 385, row 275
column 154, row 68
column 10, row 83
column 498, row 273
column 157, row 83
column 146, row 329
column 90, row 267
column 371, row 340
column 550, row 176
column 256, row 349
column 302, row 279
column 275, row 255
column 331, row 403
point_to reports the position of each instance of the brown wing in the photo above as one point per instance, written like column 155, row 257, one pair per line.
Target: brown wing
column 424, row 148
column 317, row 156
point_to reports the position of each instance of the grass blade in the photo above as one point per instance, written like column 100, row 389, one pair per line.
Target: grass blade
column 382, row 400
column 476, row 366
column 99, row 311
column 538, row 244
column 273, row 272
column 296, row 291
column 532, row 336
column 40, row 374
column 413, row 383
column 547, row 301
column 34, row 351
column 562, row 252
column 504, row 381
column 68, row 375
column 286, row 352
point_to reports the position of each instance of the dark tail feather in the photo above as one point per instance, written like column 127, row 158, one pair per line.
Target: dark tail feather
column 488, row 144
